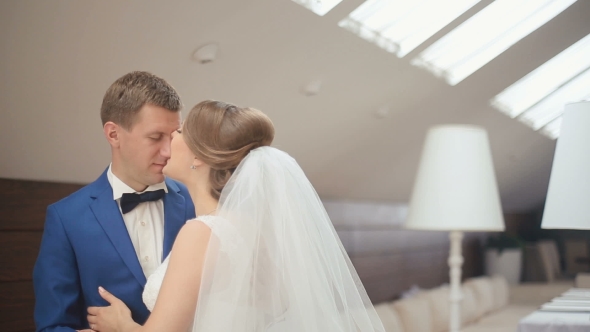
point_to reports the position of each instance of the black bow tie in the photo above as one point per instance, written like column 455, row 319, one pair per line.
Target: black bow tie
column 130, row 201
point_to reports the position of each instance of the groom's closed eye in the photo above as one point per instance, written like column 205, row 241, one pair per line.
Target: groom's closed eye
column 156, row 137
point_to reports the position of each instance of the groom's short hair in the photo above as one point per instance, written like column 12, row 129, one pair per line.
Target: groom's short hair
column 127, row 95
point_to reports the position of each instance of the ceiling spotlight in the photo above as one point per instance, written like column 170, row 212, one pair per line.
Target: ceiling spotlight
column 382, row 112
column 206, row 53
column 312, row 88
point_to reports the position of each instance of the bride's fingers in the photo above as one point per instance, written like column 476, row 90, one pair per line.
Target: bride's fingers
column 92, row 323
column 92, row 319
column 93, row 310
column 110, row 298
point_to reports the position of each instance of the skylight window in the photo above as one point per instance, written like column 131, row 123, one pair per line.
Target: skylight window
column 538, row 98
column 485, row 35
column 320, row 7
column 399, row 26
column 552, row 129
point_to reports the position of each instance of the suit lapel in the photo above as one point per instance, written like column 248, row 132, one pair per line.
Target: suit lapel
column 108, row 215
column 174, row 216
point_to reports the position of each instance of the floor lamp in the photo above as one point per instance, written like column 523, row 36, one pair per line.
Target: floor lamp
column 568, row 197
column 455, row 191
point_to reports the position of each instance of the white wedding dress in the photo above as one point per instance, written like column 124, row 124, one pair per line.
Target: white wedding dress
column 274, row 262
column 154, row 281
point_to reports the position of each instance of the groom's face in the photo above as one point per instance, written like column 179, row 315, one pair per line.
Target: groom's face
column 145, row 148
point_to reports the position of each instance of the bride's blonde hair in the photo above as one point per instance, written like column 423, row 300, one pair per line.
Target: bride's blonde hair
column 222, row 134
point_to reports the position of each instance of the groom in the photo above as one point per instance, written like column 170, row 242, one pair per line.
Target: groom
column 115, row 231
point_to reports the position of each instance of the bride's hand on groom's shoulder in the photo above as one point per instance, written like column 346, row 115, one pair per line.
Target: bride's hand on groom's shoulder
column 114, row 318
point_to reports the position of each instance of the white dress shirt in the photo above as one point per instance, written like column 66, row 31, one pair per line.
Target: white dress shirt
column 145, row 224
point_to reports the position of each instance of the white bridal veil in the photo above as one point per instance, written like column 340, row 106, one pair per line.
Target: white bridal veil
column 274, row 261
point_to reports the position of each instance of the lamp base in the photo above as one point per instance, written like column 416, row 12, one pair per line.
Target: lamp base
column 455, row 295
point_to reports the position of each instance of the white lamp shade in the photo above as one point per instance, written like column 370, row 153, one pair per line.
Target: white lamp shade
column 456, row 188
column 568, row 196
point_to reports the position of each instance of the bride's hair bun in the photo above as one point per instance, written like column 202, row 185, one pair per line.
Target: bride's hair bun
column 222, row 134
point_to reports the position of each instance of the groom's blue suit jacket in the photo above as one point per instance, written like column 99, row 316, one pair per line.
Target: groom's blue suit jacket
column 85, row 245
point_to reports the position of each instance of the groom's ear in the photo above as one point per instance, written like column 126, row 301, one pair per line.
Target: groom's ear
column 111, row 132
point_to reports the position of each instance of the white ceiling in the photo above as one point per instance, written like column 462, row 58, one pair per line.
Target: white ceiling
column 59, row 56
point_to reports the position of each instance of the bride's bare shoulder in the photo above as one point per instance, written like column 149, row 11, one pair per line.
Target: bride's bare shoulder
column 195, row 229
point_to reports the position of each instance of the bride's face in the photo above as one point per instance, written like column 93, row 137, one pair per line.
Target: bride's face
column 181, row 159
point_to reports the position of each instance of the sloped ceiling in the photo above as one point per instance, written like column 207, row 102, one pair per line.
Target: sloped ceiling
column 59, row 56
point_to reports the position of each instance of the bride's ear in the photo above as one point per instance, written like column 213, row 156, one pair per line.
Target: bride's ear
column 197, row 162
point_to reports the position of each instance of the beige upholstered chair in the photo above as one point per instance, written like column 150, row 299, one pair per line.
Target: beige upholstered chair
column 582, row 280
column 549, row 259
column 574, row 250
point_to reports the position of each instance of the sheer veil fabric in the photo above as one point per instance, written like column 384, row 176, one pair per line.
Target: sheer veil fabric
column 274, row 261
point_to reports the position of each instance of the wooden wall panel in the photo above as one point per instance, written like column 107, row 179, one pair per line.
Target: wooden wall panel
column 22, row 215
column 23, row 203
column 22, row 249
column 17, row 301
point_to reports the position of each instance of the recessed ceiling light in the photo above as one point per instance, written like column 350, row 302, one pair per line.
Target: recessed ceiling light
column 206, row 53
column 312, row 88
column 383, row 112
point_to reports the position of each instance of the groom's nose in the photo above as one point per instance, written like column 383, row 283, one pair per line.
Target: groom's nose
column 165, row 149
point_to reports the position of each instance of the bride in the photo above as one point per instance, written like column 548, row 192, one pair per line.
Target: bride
column 263, row 254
